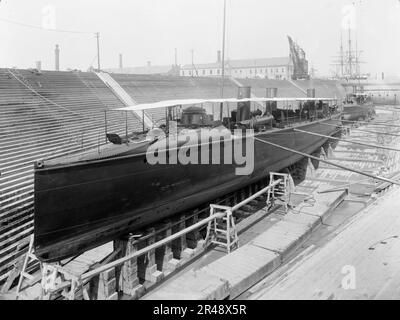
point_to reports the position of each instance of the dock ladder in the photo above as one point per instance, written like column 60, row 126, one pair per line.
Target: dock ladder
column 279, row 194
column 222, row 230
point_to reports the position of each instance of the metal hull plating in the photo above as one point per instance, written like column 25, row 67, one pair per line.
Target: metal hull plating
column 83, row 205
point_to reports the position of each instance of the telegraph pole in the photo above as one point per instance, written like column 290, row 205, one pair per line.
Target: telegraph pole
column 98, row 50
column 193, row 68
column 223, row 52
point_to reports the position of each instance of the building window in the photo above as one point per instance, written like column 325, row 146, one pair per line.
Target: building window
column 183, row 73
column 266, row 70
column 210, row 71
column 190, row 73
column 276, row 70
column 283, row 70
column 217, row 71
column 204, row 72
column 251, row 71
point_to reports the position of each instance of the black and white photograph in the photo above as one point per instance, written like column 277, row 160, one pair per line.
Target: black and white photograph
column 226, row 152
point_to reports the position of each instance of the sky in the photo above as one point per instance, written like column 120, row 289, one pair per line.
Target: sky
column 150, row 30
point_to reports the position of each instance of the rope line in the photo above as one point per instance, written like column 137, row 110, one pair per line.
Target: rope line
column 363, row 130
column 349, row 141
column 330, row 162
column 39, row 95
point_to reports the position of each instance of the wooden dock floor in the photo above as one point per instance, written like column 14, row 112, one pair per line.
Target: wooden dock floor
column 361, row 262
column 248, row 265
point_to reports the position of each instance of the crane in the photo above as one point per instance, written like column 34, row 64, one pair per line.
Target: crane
column 300, row 63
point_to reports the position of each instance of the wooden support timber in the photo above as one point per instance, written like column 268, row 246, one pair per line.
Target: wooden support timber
column 128, row 279
column 21, row 269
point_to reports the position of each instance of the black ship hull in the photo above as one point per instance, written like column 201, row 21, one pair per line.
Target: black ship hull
column 83, row 205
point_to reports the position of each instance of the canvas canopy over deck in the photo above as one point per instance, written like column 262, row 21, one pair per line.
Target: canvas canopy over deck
column 186, row 102
column 287, row 104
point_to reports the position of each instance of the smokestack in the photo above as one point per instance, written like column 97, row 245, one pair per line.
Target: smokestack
column 272, row 105
column 243, row 110
column 57, row 57
column 120, row 61
column 219, row 56
column 311, row 93
column 39, row 65
column 272, row 92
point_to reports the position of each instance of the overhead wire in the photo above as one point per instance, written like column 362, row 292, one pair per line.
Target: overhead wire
column 43, row 28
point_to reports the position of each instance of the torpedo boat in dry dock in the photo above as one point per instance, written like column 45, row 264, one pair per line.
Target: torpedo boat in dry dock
column 358, row 107
column 86, row 199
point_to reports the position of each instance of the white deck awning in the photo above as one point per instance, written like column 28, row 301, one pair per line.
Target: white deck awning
column 187, row 102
